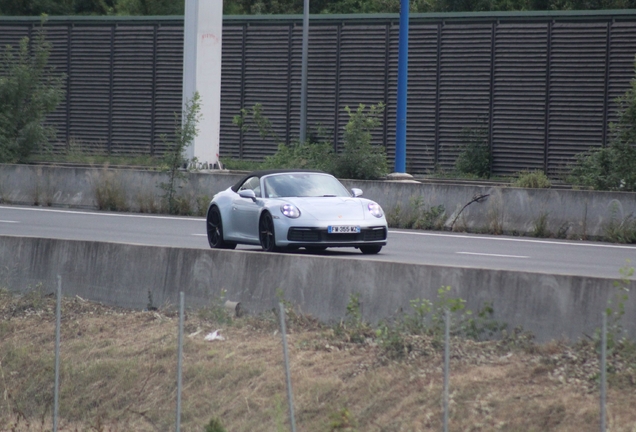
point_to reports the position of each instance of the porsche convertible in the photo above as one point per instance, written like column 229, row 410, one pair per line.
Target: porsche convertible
column 289, row 209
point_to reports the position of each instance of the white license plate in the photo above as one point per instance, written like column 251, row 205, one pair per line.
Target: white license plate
column 343, row 229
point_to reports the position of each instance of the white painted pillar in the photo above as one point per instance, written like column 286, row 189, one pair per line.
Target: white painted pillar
column 203, row 27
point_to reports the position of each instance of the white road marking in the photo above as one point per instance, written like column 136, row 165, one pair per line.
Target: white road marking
column 8, row 221
column 128, row 215
column 526, row 240
column 492, row 255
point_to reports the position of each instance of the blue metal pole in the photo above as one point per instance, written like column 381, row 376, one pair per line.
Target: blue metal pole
column 403, row 75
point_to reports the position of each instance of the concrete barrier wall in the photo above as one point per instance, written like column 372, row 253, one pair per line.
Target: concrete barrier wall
column 571, row 213
column 123, row 275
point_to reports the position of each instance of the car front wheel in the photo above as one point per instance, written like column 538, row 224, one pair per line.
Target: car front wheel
column 370, row 250
column 215, row 231
column 266, row 233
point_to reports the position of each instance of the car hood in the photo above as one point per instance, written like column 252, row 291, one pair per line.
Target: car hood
column 330, row 208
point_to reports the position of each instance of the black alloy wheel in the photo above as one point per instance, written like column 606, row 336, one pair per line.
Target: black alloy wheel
column 266, row 234
column 215, row 231
column 370, row 250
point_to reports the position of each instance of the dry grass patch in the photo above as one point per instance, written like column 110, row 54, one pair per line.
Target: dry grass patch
column 119, row 374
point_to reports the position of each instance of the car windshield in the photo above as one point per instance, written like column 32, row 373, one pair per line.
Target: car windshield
column 303, row 185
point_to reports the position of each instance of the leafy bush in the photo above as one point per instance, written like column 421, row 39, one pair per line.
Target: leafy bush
column 360, row 159
column 28, row 92
column 612, row 167
column 609, row 168
column 214, row 425
column 306, row 155
column 532, row 180
column 475, row 158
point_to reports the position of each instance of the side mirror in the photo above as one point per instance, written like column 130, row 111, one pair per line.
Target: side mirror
column 356, row 192
column 247, row 193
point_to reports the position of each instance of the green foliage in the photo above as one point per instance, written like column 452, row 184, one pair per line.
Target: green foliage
column 615, row 312
column 241, row 164
column 148, row 7
column 110, row 194
column 265, row 7
column 620, row 230
column 532, row 180
column 29, row 90
column 541, row 226
column 360, row 159
column 343, row 420
column 215, row 425
column 353, row 328
column 185, row 132
column 612, row 167
column 608, row 168
column 428, row 318
column 475, row 157
column 417, row 216
column 216, row 310
column 306, row 155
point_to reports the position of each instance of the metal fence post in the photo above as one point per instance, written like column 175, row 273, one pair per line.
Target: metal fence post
column 58, row 320
column 179, row 362
column 603, row 370
column 446, row 365
column 290, row 399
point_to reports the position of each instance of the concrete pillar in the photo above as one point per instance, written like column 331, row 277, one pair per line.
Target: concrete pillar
column 203, row 27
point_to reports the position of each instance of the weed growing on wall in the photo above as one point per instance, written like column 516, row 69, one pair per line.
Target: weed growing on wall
column 540, row 228
column 620, row 230
column 417, row 216
column 174, row 158
column 110, row 194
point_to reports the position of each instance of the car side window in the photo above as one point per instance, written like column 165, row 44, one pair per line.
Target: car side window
column 252, row 183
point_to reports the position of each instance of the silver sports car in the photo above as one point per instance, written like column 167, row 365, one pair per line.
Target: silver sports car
column 289, row 209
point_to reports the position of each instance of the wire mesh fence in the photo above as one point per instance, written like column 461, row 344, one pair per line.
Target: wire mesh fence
column 290, row 362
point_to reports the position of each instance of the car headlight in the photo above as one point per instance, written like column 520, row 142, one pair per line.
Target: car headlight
column 375, row 210
column 290, row 210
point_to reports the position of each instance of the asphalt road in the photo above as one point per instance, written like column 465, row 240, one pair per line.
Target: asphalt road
column 406, row 246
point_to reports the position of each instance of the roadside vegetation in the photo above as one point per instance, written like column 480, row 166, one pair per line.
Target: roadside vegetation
column 118, row 370
column 612, row 167
column 262, row 7
column 29, row 91
column 359, row 158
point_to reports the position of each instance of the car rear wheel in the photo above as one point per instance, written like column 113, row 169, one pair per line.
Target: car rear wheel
column 370, row 250
column 266, row 233
column 215, row 231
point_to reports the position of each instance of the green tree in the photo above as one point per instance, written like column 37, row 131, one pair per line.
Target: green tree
column 56, row 7
column 612, row 167
column 360, row 159
column 174, row 158
column 29, row 90
column 149, row 7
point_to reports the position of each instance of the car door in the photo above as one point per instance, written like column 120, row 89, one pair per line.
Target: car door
column 245, row 211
